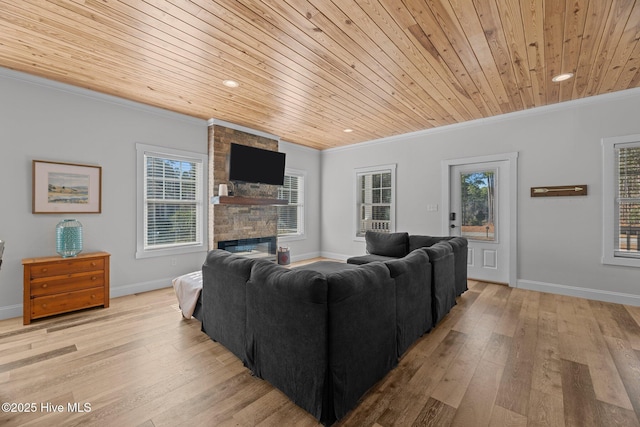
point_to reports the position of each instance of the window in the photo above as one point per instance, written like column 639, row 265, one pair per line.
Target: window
column 291, row 217
column 375, row 199
column 170, row 201
column 621, row 190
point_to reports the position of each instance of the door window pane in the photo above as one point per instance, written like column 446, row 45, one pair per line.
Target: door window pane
column 478, row 205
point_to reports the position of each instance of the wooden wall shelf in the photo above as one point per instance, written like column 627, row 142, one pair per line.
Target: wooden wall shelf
column 239, row 200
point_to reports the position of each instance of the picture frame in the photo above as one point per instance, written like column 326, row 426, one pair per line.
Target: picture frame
column 63, row 188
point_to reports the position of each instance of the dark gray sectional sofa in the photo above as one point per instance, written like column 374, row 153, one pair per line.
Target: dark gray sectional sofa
column 327, row 332
column 388, row 246
column 322, row 337
column 447, row 256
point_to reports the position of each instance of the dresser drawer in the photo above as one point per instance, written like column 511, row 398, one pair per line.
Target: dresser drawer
column 64, row 267
column 61, row 303
column 75, row 282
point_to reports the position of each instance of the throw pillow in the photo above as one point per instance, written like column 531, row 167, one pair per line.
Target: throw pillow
column 387, row 244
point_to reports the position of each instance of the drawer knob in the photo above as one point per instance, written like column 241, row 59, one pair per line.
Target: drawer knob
column 94, row 278
column 93, row 264
column 44, row 285
column 44, row 270
column 44, row 305
column 93, row 296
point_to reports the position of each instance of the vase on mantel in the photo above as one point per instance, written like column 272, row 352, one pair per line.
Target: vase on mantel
column 68, row 238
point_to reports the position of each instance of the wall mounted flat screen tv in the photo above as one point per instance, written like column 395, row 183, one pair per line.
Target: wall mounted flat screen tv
column 250, row 164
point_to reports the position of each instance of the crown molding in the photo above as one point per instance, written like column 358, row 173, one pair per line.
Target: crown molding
column 294, row 146
column 240, row 128
column 88, row 93
column 545, row 109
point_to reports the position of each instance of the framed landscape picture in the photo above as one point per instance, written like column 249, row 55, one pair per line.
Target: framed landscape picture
column 66, row 188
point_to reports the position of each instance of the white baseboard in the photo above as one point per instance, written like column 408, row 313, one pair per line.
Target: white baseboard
column 332, row 255
column 574, row 291
column 303, row 257
column 135, row 288
column 11, row 311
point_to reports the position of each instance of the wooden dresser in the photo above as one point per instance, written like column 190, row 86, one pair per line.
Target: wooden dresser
column 54, row 285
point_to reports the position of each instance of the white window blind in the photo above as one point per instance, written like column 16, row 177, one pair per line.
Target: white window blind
column 621, row 200
column 375, row 200
column 172, row 201
column 291, row 216
column 627, row 200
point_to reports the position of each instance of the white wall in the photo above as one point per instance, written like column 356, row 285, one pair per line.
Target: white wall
column 43, row 120
column 559, row 239
column 307, row 160
column 559, row 245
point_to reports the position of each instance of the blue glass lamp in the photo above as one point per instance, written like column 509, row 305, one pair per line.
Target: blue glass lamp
column 68, row 238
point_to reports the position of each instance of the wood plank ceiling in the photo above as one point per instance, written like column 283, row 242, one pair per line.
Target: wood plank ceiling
column 309, row 69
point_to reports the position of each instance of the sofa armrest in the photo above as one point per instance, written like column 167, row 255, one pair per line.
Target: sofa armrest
column 224, row 311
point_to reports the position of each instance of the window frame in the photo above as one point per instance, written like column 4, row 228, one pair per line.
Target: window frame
column 301, row 234
column 200, row 245
column 371, row 170
column 610, row 254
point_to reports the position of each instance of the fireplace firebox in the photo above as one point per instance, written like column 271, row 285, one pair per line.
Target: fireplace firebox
column 260, row 247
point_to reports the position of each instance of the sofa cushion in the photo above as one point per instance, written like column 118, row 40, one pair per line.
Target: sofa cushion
column 387, row 244
column 287, row 333
column 460, row 253
column 443, row 289
column 414, row 312
column 416, row 241
column 362, row 331
column 326, row 267
column 366, row 259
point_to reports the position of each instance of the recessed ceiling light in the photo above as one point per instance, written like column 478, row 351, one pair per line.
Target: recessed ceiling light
column 348, row 130
column 562, row 77
column 230, row 83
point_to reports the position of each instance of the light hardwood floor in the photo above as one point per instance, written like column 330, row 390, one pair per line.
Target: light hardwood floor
column 502, row 357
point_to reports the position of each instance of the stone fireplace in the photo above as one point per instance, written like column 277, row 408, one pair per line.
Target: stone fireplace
column 230, row 222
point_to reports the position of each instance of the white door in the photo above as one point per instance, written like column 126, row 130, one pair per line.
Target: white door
column 479, row 210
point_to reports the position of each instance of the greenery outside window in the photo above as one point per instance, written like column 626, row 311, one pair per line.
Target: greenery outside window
column 375, row 200
column 477, row 207
column 170, row 201
column 621, row 190
column 291, row 216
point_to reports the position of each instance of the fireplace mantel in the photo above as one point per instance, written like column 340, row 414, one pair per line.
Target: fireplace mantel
column 240, row 200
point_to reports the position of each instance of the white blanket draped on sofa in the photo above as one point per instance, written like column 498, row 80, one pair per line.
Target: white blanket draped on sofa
column 187, row 288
